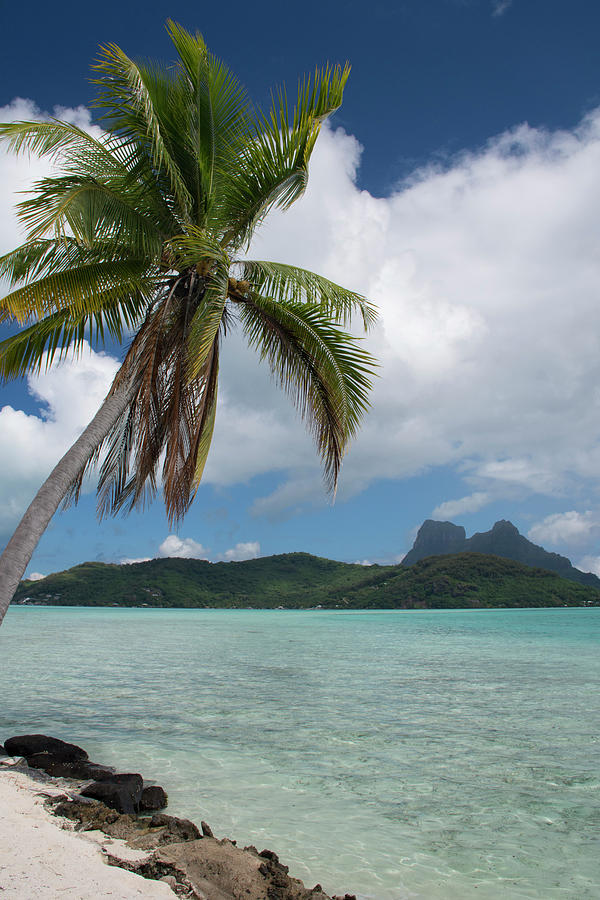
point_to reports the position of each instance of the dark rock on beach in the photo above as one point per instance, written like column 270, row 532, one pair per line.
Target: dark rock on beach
column 120, row 792
column 80, row 769
column 153, row 797
column 33, row 744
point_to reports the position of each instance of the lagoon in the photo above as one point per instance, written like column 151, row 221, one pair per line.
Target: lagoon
column 396, row 755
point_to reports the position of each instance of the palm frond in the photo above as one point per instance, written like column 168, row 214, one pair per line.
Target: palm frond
column 198, row 247
column 129, row 95
column 82, row 289
column 91, row 212
column 293, row 284
column 171, row 415
column 190, row 424
column 321, row 367
column 36, row 258
column 272, row 161
column 208, row 318
column 74, row 147
column 207, row 410
column 38, row 346
column 217, row 110
column 200, row 130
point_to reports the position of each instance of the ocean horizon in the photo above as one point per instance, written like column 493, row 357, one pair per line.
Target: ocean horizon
column 392, row 754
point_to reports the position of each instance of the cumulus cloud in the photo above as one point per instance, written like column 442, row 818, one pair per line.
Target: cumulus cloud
column 34, row 576
column 565, row 528
column 471, row 503
column 18, row 173
column 241, row 551
column 589, row 564
column 128, row 561
column 69, row 395
column 184, row 548
column 486, row 273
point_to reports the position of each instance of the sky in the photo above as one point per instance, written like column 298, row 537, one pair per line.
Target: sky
column 457, row 188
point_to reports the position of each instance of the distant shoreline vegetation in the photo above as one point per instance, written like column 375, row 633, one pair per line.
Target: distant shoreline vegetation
column 302, row 581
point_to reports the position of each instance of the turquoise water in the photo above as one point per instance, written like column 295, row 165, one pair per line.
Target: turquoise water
column 397, row 755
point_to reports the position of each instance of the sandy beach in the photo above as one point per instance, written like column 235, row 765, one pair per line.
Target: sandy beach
column 41, row 858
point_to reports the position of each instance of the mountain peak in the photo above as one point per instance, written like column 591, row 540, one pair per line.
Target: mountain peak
column 504, row 540
column 505, row 527
column 435, row 539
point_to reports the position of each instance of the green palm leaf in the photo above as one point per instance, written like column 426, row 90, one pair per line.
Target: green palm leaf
column 296, row 285
column 207, row 320
column 60, row 333
column 83, row 289
column 134, row 97
column 318, row 365
column 272, row 161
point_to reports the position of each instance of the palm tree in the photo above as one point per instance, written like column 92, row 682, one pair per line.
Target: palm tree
column 142, row 232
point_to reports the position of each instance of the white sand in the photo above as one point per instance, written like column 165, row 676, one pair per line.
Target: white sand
column 40, row 860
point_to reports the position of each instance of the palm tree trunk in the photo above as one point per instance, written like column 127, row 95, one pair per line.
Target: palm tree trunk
column 30, row 529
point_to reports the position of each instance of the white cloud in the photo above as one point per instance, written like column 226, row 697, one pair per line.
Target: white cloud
column 30, row 445
column 185, row 548
column 241, row 551
column 470, row 504
column 589, row 564
column 34, row 576
column 293, row 496
column 564, row 528
column 486, row 273
column 128, row 561
column 18, row 173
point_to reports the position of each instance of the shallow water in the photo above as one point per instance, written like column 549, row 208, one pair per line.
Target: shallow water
column 396, row 755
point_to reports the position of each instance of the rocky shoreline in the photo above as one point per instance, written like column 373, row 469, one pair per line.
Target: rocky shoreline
column 90, row 798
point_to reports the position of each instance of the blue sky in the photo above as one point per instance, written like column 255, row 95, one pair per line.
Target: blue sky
column 458, row 188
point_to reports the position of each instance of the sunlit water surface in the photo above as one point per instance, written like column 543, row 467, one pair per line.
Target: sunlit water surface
column 395, row 755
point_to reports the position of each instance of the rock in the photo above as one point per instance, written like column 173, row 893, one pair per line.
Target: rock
column 153, row 797
column 90, row 815
column 206, row 829
column 81, row 769
column 176, row 829
column 32, row 744
column 120, row 792
column 220, row 871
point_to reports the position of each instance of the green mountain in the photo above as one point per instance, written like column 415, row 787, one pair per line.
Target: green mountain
column 504, row 539
column 299, row 580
